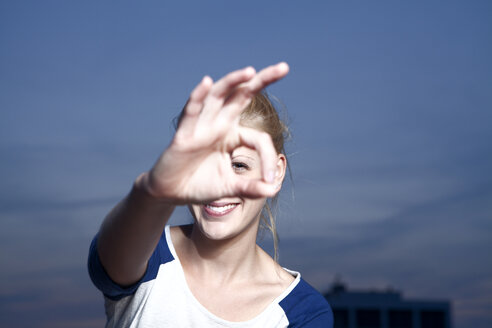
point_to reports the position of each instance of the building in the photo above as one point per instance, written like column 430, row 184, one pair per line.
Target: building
column 385, row 309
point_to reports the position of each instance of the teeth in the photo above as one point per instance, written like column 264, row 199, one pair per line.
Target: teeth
column 221, row 209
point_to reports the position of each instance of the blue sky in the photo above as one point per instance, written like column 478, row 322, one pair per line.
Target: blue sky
column 389, row 104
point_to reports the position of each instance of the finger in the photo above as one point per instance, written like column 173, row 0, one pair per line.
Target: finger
column 195, row 104
column 241, row 97
column 198, row 95
column 262, row 143
column 254, row 188
column 222, row 88
column 267, row 76
column 236, row 103
column 225, row 85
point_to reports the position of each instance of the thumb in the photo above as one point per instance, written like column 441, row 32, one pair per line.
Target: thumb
column 254, row 188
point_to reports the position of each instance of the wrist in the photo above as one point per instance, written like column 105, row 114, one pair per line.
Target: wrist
column 142, row 188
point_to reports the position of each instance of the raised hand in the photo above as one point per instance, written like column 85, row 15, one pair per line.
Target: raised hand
column 196, row 167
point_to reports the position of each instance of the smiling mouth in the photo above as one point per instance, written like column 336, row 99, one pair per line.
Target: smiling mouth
column 219, row 209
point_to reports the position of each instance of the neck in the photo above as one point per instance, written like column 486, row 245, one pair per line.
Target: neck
column 224, row 260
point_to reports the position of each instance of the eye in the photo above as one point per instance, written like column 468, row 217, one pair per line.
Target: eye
column 239, row 166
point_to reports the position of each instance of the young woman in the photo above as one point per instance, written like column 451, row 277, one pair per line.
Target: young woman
column 225, row 160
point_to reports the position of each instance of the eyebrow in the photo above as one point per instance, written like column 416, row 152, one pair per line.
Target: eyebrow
column 242, row 155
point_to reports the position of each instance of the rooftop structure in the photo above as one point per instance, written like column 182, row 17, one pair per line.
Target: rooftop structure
column 385, row 309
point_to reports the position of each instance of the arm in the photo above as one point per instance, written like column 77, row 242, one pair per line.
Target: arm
column 130, row 233
column 195, row 168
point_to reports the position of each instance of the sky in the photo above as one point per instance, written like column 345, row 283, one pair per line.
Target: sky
column 389, row 105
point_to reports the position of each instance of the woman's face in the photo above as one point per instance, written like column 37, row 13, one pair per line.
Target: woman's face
column 228, row 217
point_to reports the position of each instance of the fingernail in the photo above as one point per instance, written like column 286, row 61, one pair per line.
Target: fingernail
column 249, row 70
column 207, row 79
column 270, row 176
column 283, row 66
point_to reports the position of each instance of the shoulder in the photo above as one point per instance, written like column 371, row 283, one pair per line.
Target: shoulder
column 304, row 306
column 162, row 254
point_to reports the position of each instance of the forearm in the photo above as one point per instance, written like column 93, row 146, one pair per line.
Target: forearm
column 130, row 233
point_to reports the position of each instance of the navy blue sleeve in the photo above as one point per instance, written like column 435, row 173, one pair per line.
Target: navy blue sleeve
column 321, row 321
column 306, row 307
column 114, row 291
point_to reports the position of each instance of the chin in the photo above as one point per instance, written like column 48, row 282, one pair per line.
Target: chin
column 221, row 226
column 216, row 230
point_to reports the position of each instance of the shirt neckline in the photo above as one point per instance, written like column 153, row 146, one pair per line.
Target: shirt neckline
column 212, row 316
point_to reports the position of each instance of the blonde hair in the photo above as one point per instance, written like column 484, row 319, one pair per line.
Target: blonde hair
column 262, row 115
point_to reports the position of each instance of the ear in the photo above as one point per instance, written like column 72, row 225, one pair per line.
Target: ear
column 280, row 171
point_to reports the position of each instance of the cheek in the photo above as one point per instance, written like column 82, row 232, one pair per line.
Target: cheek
column 255, row 207
column 254, row 173
column 193, row 210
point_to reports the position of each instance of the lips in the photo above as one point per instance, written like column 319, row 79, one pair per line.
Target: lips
column 219, row 208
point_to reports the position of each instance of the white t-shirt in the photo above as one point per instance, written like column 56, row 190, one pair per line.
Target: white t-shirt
column 162, row 298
